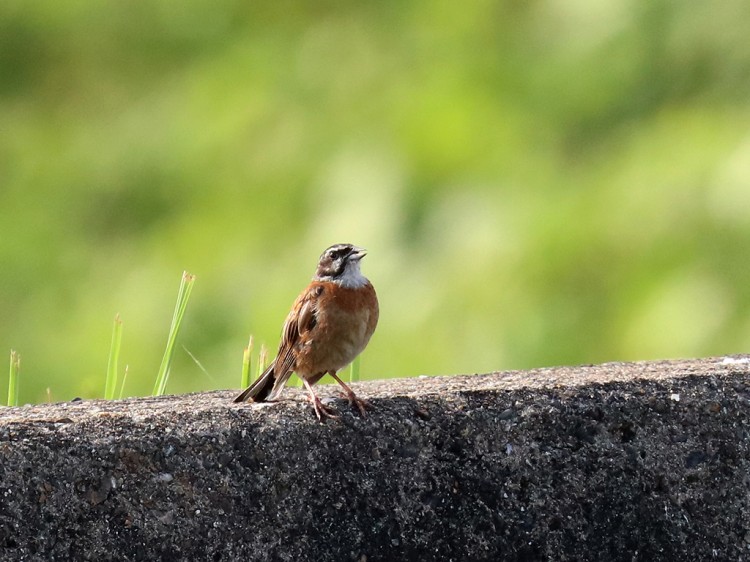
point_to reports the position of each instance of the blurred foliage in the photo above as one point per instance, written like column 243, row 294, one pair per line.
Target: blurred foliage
column 538, row 183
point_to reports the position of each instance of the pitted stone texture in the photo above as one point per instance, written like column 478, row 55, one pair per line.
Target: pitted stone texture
column 640, row 461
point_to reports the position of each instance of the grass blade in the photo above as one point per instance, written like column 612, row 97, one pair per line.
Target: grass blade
column 114, row 357
column 124, row 378
column 199, row 364
column 354, row 371
column 183, row 295
column 246, row 355
column 15, row 367
column 262, row 358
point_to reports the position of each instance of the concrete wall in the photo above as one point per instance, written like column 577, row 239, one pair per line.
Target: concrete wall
column 646, row 461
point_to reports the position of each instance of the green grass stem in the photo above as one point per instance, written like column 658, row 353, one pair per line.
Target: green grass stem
column 246, row 359
column 122, row 386
column 262, row 358
column 354, row 370
column 186, row 286
column 114, row 357
column 15, row 367
column 199, row 364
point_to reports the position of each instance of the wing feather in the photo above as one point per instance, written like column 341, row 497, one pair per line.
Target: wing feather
column 301, row 319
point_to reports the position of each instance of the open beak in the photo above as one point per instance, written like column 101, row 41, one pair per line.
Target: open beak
column 357, row 253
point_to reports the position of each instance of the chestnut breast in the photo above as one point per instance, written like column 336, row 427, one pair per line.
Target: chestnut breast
column 345, row 320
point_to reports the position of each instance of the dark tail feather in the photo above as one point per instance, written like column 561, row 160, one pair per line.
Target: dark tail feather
column 261, row 388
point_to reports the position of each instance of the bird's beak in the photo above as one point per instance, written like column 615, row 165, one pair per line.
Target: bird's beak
column 357, row 253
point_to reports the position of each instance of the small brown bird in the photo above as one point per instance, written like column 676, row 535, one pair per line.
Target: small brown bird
column 329, row 325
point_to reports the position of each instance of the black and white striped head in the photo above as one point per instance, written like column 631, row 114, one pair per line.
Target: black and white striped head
column 340, row 264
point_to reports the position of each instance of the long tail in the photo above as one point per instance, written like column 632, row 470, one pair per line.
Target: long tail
column 261, row 388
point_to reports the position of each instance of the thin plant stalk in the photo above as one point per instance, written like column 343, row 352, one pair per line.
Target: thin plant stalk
column 198, row 363
column 262, row 358
column 15, row 367
column 246, row 358
column 183, row 295
column 114, row 357
column 124, row 378
column 354, row 370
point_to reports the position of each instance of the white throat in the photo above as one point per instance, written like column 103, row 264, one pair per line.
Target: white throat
column 352, row 277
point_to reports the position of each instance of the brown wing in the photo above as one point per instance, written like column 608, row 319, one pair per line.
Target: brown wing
column 301, row 319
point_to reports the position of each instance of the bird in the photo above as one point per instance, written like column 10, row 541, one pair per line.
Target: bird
column 329, row 325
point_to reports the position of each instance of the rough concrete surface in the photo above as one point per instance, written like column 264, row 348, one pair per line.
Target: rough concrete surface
column 642, row 461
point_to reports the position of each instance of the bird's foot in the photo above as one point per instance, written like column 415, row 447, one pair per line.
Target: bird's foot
column 322, row 411
column 354, row 400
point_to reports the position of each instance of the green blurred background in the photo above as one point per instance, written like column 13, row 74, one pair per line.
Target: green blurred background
column 538, row 183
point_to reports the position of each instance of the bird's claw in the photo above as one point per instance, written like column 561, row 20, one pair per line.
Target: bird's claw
column 354, row 400
column 322, row 411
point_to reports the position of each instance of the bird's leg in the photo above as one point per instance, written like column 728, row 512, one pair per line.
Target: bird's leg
column 349, row 394
column 321, row 410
